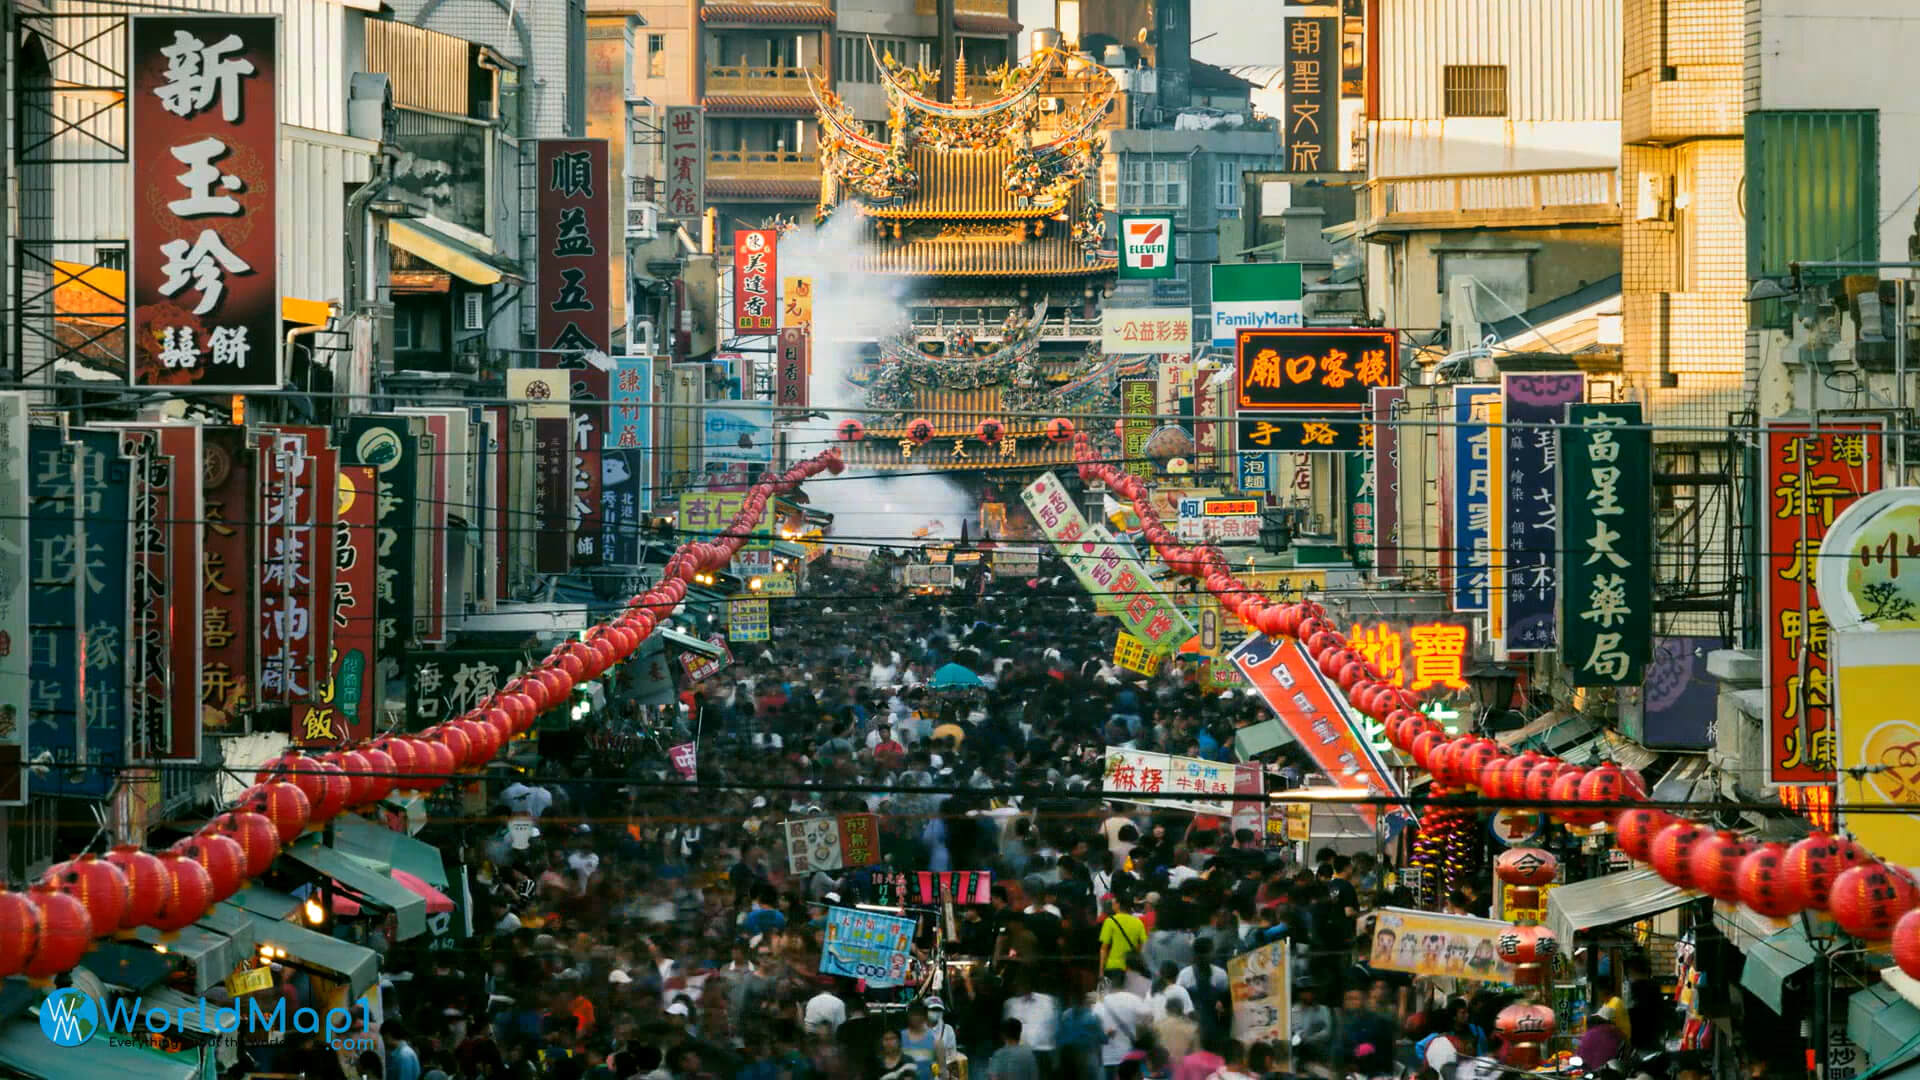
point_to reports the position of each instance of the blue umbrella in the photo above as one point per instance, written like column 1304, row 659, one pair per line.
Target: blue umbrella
column 955, row 677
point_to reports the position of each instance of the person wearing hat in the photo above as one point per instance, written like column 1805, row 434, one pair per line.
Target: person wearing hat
column 1603, row 1041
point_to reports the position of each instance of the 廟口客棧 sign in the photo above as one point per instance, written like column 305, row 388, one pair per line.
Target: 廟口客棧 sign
column 1325, row 371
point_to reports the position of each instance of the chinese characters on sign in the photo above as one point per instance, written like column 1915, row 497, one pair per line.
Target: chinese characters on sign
column 1146, row 331
column 343, row 703
column 686, row 142
column 57, row 543
column 1389, row 408
column 1310, row 390
column 796, row 302
column 445, row 683
column 749, row 619
column 1105, row 570
column 587, row 435
column 575, row 313
column 226, row 593
column 16, row 677
column 1136, row 401
column 1528, row 476
column 1131, row 654
column 1312, row 123
column 1606, row 565
column 626, row 459
column 1138, row 776
column 101, row 565
column 1422, row 657
column 793, row 364
column 390, row 446
column 1471, row 504
column 756, row 272
column 1809, row 476
column 204, row 128
column 288, row 498
column 867, row 945
column 1361, row 503
column 553, row 495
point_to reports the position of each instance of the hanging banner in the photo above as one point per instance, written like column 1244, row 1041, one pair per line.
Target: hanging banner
column 869, row 946
column 390, row 446
column 685, row 135
column 553, row 495
column 590, row 388
column 183, row 449
column 1530, row 478
column 685, row 759
column 286, row 510
column 1136, row 401
column 1389, row 411
column 54, row 608
column 1469, row 481
column 1311, row 140
column 1490, row 413
column 626, row 468
column 792, row 366
column 1289, row 682
column 1361, row 503
column 1138, row 776
column 16, row 569
column 1809, row 476
column 1260, row 983
column 445, row 683
column 756, row 273
column 1106, row 569
column 796, row 302
column 103, row 566
column 575, row 313
column 748, row 619
column 1874, row 673
column 227, row 611
column 1425, row 943
column 318, row 552
column 203, row 127
column 1605, row 495
column 827, row 843
column 344, row 703
column 148, row 644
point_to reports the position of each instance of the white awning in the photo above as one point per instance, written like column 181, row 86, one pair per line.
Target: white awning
column 1606, row 901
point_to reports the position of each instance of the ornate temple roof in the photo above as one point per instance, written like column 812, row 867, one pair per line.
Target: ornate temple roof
column 768, row 13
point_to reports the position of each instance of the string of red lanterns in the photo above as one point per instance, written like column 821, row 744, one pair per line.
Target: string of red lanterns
column 1867, row 898
column 49, row 928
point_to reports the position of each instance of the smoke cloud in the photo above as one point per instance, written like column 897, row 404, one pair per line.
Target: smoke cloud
column 851, row 306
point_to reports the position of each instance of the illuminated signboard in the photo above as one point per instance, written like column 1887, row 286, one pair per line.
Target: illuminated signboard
column 1422, row 657
column 1326, row 371
column 1257, row 432
column 1230, row 507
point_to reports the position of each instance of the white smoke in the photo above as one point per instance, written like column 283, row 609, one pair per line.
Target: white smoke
column 851, row 306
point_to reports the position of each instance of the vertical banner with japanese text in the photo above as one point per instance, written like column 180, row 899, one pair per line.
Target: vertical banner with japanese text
column 227, row 612
column 1605, row 495
column 575, row 313
column 1312, row 126
column 1808, row 474
column 203, row 128
column 54, row 606
column 1529, row 477
column 1469, row 481
column 1389, row 409
column 686, row 146
column 756, row 274
column 16, row 678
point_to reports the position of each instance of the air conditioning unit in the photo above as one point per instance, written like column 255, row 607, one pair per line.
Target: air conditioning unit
column 473, row 311
column 1053, row 104
column 643, row 222
column 1654, row 197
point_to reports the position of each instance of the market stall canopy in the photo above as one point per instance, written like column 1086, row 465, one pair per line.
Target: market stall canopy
column 1882, row 1024
column 213, row 945
column 367, row 885
column 1772, row 961
column 384, row 849
column 955, row 677
column 1605, row 901
column 341, row 961
column 26, row 1050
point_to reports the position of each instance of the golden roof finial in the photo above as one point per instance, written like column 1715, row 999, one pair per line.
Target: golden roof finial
column 960, row 94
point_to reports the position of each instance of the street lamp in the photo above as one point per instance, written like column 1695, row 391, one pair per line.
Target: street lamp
column 1492, row 686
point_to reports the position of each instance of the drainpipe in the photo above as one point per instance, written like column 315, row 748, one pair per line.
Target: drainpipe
column 357, row 221
column 303, row 331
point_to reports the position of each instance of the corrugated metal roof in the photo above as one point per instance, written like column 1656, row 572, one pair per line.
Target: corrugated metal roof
column 768, row 14
column 1563, row 57
column 739, row 104
column 427, row 69
column 1812, row 191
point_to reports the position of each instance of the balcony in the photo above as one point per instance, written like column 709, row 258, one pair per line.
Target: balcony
column 765, row 81
column 1393, row 204
column 763, row 175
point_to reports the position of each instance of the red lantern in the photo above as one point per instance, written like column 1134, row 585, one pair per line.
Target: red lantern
column 1634, row 831
column 1812, row 865
column 333, row 794
column 1569, row 787
column 1269, row 621
column 283, row 804
column 99, row 886
column 302, row 772
column 66, row 932
column 1906, row 944
column 574, row 666
column 439, row 764
column 1060, row 429
column 457, row 744
column 1513, row 785
column 1527, row 945
column 559, row 685
column 1715, row 864
column 1525, row 1030
column 1672, row 852
column 259, row 841
column 363, row 787
column 403, row 755
column 19, row 931
column 1469, row 763
column 1426, row 746
column 989, row 431
column 1539, row 782
column 1868, row 899
column 148, row 884
column 919, row 430
column 482, row 740
column 852, row 430
column 1604, row 786
column 188, row 895
column 1526, row 866
column 1763, row 885
column 225, row 863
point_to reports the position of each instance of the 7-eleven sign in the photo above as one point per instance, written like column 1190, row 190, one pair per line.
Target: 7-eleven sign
column 1146, row 247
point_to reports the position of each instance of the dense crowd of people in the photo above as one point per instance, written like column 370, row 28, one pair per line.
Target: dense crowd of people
column 654, row 929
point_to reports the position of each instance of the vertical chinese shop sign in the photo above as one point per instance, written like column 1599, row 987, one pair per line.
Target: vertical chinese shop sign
column 1313, row 93
column 16, row 682
column 588, row 416
column 204, row 127
column 1362, row 501
column 793, row 363
column 552, row 494
column 1389, row 408
column 1470, row 478
column 626, row 475
column 1532, row 526
column 686, row 137
column 342, row 706
column 1606, row 563
column 227, row 618
column 387, row 445
column 1136, row 401
column 106, row 512
column 1810, row 475
column 289, row 493
column 575, row 316
column 55, row 538
column 756, row 273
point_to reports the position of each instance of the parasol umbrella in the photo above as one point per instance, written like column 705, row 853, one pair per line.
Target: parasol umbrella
column 955, row 677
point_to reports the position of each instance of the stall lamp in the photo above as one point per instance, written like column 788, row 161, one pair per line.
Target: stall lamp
column 315, row 914
column 161, row 949
column 755, row 584
column 266, row 952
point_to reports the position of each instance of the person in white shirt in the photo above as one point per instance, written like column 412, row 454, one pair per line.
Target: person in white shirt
column 1122, row 1015
column 825, row 1008
column 531, row 801
column 1168, row 989
column 1039, row 1016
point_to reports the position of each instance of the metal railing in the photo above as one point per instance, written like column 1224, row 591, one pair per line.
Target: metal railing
column 1542, row 194
column 757, row 80
column 762, row 165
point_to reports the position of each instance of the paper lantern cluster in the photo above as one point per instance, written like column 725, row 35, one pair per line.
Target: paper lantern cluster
column 1867, row 898
column 47, row 929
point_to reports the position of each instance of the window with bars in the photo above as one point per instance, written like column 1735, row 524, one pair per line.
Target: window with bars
column 1226, row 189
column 656, row 56
column 857, row 64
column 1153, row 182
column 1475, row 90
